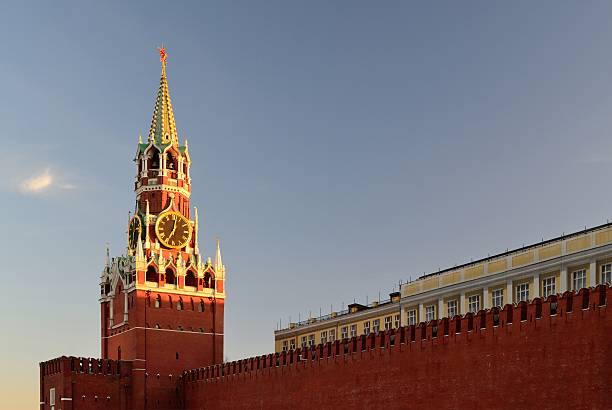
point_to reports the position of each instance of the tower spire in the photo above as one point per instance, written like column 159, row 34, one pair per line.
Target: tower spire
column 218, row 260
column 163, row 127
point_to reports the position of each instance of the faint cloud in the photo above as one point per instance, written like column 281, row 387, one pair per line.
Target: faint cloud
column 595, row 160
column 37, row 183
column 67, row 187
column 42, row 182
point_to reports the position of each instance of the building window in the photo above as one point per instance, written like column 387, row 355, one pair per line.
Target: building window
column 344, row 332
column 430, row 313
column 332, row 335
column 548, row 286
column 388, row 321
column 201, row 307
column 292, row 344
column 397, row 321
column 376, row 326
column 497, row 297
column 157, row 302
column 52, row 398
column 311, row 340
column 179, row 305
column 353, row 330
column 522, row 292
column 366, row 328
column 451, row 308
column 474, row 303
column 412, row 317
column 285, row 345
column 303, row 342
column 579, row 279
column 606, row 273
column 324, row 336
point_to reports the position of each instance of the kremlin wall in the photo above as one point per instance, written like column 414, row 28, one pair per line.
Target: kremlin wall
column 551, row 353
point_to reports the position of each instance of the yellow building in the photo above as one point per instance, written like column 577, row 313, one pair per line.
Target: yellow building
column 570, row 262
column 356, row 320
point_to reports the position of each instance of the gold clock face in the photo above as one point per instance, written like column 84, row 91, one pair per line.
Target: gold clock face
column 134, row 232
column 173, row 230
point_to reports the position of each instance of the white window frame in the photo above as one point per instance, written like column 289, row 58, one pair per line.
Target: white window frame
column 292, row 344
column 311, row 340
column 606, row 273
column 412, row 317
column 522, row 292
column 366, row 328
column 549, row 286
column 332, row 335
column 430, row 313
column 451, row 308
column 323, row 336
column 388, row 321
column 285, row 345
column 397, row 321
column 52, row 397
column 474, row 303
column 579, row 279
column 376, row 326
column 497, row 297
column 354, row 330
column 344, row 332
column 304, row 342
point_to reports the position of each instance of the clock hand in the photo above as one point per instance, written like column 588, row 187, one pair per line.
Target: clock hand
column 173, row 229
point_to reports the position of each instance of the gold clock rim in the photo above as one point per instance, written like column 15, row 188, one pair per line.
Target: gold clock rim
column 162, row 241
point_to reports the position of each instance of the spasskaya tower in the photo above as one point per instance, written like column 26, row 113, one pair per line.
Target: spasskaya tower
column 162, row 303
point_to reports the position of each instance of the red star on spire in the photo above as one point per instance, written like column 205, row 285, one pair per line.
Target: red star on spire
column 162, row 54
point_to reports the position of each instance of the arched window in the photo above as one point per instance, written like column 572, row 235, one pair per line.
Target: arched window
column 209, row 281
column 190, row 279
column 155, row 159
column 152, row 274
column 179, row 305
column 170, row 278
column 158, row 302
column 171, row 162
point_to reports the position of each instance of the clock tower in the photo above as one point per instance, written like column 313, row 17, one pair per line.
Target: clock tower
column 162, row 302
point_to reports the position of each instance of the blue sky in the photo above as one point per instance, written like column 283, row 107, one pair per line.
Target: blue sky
column 338, row 147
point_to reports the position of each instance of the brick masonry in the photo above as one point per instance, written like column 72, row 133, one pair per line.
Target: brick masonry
column 543, row 355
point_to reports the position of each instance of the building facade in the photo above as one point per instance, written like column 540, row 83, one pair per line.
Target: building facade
column 355, row 321
column 571, row 262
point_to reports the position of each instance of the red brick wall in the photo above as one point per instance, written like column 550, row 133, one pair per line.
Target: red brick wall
column 84, row 383
column 544, row 361
column 200, row 342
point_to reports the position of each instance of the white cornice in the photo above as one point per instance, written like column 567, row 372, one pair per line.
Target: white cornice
column 162, row 187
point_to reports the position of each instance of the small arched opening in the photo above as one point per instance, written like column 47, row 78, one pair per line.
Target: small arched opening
column 170, row 277
column 154, row 159
column 190, row 279
column 209, row 281
column 152, row 275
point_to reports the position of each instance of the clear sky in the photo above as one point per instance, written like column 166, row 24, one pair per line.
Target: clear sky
column 338, row 148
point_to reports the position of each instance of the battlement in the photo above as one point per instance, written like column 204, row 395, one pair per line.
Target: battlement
column 522, row 316
column 84, row 365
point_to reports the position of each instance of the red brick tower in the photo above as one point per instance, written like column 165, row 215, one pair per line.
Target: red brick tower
column 161, row 305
